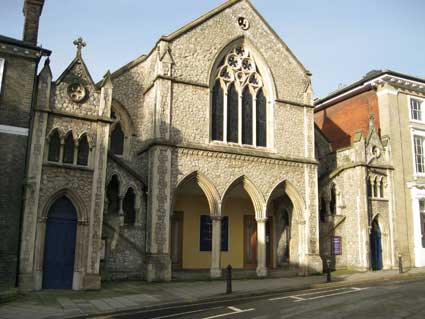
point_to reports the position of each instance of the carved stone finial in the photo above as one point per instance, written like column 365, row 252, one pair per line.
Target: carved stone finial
column 79, row 43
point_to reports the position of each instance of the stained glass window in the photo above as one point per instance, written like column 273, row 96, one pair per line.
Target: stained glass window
column 246, row 116
column 261, row 119
column 232, row 115
column 217, row 112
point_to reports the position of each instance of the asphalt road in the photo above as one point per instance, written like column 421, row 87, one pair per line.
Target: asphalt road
column 390, row 299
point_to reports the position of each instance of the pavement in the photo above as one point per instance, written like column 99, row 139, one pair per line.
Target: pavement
column 125, row 297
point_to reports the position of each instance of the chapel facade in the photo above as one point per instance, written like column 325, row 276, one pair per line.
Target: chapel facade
column 191, row 157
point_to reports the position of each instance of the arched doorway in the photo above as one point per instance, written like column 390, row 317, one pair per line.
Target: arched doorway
column 59, row 251
column 376, row 246
column 248, row 244
column 191, row 225
column 283, row 208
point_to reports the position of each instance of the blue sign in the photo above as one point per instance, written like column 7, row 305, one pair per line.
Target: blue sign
column 336, row 245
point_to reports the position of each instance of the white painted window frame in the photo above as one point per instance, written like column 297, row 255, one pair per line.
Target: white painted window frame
column 2, row 63
column 422, row 107
column 416, row 132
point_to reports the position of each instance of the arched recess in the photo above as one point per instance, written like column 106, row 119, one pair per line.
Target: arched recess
column 254, row 194
column 81, row 238
column 123, row 123
column 195, row 205
column 286, row 207
column 264, row 88
column 207, row 187
column 386, row 243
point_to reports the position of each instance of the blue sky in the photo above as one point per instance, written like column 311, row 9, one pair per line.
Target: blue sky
column 337, row 40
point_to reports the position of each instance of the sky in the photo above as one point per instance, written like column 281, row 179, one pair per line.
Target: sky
column 339, row 41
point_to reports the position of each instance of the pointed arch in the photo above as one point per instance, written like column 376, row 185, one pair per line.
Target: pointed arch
column 72, row 196
column 236, row 66
column 117, row 140
column 260, row 60
column 54, row 146
column 83, row 150
column 68, row 148
column 254, row 194
column 208, row 188
column 294, row 196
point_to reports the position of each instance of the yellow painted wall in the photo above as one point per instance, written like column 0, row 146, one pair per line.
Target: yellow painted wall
column 192, row 208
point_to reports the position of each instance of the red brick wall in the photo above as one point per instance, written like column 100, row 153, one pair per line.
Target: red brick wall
column 340, row 121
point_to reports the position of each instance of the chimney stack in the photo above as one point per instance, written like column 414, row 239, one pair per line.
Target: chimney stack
column 32, row 11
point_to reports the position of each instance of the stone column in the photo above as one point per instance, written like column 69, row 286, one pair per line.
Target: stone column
column 215, row 271
column 261, row 247
column 158, row 261
column 120, row 209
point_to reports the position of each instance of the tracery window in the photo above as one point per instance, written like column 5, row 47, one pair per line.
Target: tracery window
column 54, row 147
column 239, row 104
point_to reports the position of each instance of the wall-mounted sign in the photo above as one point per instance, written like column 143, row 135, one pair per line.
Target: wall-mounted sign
column 336, row 245
column 1, row 71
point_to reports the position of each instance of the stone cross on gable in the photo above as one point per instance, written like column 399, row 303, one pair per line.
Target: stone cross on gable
column 79, row 43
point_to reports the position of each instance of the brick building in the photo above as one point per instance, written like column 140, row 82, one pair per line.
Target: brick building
column 18, row 79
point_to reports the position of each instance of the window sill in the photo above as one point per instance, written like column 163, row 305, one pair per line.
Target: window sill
column 68, row 166
column 242, row 146
column 379, row 199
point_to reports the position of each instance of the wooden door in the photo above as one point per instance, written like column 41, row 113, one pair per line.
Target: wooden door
column 250, row 241
column 59, row 247
column 177, row 240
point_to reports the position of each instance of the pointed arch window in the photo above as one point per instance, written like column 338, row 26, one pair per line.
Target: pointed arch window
column 232, row 114
column 112, row 194
column 54, row 147
column 217, row 112
column 246, row 116
column 117, row 140
column 261, row 117
column 239, row 102
column 68, row 149
column 129, row 207
column 83, row 151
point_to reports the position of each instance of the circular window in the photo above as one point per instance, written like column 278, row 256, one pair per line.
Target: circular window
column 77, row 92
column 243, row 23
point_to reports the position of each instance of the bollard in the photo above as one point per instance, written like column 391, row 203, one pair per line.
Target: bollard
column 328, row 270
column 400, row 264
column 229, row 279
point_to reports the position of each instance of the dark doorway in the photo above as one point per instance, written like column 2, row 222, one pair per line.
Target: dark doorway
column 59, row 247
column 376, row 246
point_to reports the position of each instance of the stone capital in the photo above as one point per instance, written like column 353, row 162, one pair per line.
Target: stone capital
column 261, row 219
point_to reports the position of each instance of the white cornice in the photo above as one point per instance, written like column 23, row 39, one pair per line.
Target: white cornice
column 397, row 81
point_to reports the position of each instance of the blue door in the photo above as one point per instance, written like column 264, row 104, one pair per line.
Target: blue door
column 59, row 247
column 376, row 246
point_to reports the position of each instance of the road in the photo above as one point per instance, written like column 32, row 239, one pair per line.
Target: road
column 387, row 300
